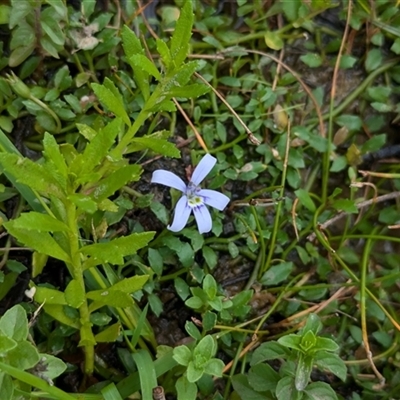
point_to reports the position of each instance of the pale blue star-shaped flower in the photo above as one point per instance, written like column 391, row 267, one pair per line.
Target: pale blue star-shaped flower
column 194, row 198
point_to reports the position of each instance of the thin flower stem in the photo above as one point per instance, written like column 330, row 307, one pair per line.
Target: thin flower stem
column 255, row 272
column 228, row 145
column 359, row 90
column 171, row 277
column 363, row 306
column 275, row 228
column 327, row 154
column 223, row 247
column 349, row 271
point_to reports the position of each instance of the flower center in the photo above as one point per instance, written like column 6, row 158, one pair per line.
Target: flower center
column 194, row 199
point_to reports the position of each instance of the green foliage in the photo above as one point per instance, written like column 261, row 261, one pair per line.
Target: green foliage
column 29, row 33
column 91, row 94
column 199, row 361
column 300, row 353
column 18, row 352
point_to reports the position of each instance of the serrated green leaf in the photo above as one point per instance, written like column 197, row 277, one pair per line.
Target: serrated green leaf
column 141, row 61
column 164, row 52
column 108, row 186
column 39, row 222
column 189, row 91
column 180, row 40
column 42, row 242
column 53, row 155
column 131, row 43
column 109, row 95
column 98, row 147
column 83, row 202
column 14, row 323
column 115, row 250
column 180, row 77
column 160, row 146
column 31, row 174
column 132, row 46
column 86, row 131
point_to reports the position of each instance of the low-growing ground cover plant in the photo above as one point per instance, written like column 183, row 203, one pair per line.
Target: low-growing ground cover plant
column 273, row 123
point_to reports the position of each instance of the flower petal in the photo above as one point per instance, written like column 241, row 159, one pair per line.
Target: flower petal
column 204, row 167
column 168, row 179
column 181, row 215
column 214, row 199
column 203, row 219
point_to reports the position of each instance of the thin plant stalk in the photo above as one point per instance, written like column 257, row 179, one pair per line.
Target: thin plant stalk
column 327, row 154
column 275, row 228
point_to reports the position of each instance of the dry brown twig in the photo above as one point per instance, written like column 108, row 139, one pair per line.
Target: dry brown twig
column 362, row 204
